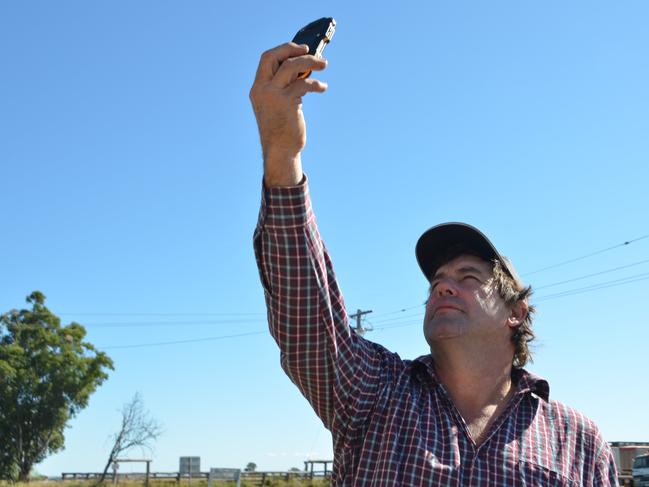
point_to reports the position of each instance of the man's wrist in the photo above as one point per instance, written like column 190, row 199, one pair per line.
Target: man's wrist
column 282, row 169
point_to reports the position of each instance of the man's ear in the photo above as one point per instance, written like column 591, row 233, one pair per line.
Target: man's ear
column 518, row 313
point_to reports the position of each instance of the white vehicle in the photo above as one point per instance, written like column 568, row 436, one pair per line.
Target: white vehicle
column 641, row 471
column 625, row 452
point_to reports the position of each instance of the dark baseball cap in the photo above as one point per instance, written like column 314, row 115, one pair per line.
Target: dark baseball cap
column 436, row 240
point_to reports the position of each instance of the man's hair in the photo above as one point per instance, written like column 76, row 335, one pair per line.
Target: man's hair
column 523, row 334
column 509, row 291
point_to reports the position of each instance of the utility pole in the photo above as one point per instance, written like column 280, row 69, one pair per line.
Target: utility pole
column 359, row 327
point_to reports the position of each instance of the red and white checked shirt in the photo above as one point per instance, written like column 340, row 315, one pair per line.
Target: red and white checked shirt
column 392, row 422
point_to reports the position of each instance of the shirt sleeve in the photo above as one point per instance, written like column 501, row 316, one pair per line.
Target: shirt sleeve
column 321, row 354
column 605, row 468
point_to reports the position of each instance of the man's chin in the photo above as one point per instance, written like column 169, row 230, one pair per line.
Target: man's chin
column 441, row 331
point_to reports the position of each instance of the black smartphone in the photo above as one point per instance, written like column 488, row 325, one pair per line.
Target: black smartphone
column 316, row 35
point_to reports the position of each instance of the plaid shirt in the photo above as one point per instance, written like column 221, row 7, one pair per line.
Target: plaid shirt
column 392, row 421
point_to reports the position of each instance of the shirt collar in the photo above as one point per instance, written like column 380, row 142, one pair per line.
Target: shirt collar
column 424, row 366
column 525, row 381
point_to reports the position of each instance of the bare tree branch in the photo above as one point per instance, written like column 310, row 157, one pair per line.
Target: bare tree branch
column 137, row 429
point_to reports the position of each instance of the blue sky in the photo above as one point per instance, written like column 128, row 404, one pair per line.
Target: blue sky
column 131, row 179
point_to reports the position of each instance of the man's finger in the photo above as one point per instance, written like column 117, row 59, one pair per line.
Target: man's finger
column 270, row 61
column 303, row 86
column 291, row 69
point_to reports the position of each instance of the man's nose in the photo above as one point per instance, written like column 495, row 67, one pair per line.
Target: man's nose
column 446, row 287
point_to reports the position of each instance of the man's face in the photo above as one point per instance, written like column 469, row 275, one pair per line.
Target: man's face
column 464, row 304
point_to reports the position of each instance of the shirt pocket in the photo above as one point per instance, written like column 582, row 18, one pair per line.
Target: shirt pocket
column 532, row 474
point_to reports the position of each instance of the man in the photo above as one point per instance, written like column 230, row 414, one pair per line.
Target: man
column 468, row 414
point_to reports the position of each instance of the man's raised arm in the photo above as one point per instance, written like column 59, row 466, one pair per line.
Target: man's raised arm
column 332, row 366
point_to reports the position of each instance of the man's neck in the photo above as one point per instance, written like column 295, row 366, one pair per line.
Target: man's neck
column 479, row 385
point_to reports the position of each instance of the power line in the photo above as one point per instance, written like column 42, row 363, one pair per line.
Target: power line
column 177, row 342
column 536, row 288
column 133, row 324
column 373, row 322
column 404, row 324
column 402, row 310
column 162, row 314
column 394, row 321
column 570, row 261
column 595, row 287
column 628, row 242
column 594, row 274
column 396, row 318
column 569, row 292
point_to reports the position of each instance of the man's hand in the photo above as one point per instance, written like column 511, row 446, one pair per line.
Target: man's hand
column 276, row 97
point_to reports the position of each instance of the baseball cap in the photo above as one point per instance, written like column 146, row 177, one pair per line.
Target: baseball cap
column 436, row 240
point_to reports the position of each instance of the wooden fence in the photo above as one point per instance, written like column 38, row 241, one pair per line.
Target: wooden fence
column 262, row 477
column 133, row 475
column 259, row 478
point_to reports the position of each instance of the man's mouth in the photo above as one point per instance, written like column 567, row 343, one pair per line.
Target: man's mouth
column 445, row 307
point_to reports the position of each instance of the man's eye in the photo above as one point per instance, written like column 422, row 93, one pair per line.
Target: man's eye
column 470, row 277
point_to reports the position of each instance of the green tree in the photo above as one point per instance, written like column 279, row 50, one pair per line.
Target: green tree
column 47, row 374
